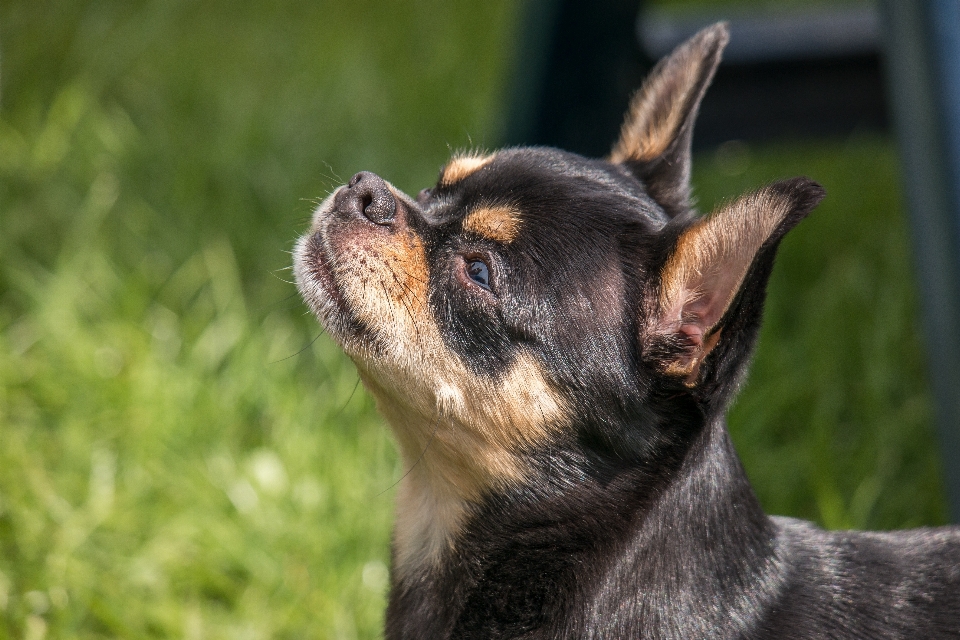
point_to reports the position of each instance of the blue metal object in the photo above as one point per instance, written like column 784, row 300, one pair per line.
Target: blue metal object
column 764, row 37
column 922, row 55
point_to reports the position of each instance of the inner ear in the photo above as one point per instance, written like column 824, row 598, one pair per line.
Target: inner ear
column 708, row 266
column 656, row 136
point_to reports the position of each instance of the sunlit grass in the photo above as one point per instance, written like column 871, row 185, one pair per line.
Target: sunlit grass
column 154, row 484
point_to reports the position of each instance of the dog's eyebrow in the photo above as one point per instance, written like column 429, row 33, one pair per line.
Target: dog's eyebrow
column 499, row 223
column 462, row 166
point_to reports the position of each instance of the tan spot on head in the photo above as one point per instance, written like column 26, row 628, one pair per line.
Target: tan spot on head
column 499, row 223
column 462, row 166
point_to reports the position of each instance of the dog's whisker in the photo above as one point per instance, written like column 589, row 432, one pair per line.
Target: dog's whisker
column 305, row 347
column 433, row 434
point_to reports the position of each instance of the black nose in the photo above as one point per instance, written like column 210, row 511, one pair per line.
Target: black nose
column 367, row 194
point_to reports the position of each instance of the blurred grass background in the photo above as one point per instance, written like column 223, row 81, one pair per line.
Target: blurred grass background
column 182, row 456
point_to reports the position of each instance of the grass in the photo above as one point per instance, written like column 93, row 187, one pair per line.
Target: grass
column 181, row 454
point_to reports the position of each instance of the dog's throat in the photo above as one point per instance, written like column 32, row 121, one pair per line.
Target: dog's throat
column 647, row 537
column 448, row 464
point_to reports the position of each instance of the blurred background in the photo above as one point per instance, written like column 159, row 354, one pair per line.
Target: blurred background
column 183, row 454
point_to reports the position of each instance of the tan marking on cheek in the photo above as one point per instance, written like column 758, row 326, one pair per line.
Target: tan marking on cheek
column 474, row 425
column 407, row 267
column 385, row 282
column 499, row 223
column 462, row 166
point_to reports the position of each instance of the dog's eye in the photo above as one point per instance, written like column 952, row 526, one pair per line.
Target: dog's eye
column 479, row 272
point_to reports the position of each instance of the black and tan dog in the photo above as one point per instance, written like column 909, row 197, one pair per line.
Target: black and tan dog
column 554, row 341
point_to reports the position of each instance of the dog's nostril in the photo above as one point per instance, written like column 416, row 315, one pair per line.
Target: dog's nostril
column 379, row 207
column 375, row 200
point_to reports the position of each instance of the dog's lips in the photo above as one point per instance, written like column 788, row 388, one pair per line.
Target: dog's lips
column 314, row 271
column 320, row 271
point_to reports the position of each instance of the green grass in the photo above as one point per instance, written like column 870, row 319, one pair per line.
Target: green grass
column 168, row 470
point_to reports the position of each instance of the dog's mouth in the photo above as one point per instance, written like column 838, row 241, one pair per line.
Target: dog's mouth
column 315, row 277
column 317, row 266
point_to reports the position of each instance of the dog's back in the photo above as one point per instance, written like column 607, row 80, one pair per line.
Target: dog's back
column 857, row 584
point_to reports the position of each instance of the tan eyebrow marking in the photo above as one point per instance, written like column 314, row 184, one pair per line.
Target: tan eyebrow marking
column 497, row 223
column 462, row 166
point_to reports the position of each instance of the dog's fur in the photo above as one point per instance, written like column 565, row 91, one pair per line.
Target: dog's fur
column 554, row 341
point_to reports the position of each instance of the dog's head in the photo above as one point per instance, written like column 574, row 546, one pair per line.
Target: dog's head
column 534, row 302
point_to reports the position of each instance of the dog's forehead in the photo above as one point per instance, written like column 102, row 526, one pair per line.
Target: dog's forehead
column 529, row 179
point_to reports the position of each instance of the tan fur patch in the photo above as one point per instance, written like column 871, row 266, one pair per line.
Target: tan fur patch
column 701, row 278
column 500, row 224
column 385, row 281
column 459, row 437
column 462, row 166
column 459, row 433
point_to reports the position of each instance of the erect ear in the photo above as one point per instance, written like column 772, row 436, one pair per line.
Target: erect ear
column 712, row 261
column 656, row 135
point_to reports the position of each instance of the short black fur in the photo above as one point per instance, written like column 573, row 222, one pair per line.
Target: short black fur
column 633, row 517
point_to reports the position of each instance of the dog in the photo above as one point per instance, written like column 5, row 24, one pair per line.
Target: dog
column 554, row 341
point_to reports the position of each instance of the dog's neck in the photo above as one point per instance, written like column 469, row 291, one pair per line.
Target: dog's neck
column 680, row 539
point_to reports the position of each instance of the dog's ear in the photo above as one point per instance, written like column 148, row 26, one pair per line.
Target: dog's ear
column 711, row 286
column 656, row 135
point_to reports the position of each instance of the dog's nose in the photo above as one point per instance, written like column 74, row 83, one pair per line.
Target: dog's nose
column 367, row 194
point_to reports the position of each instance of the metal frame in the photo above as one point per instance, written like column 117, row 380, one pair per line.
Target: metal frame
column 922, row 47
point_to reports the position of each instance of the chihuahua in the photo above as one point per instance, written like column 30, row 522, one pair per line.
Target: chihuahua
column 554, row 341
